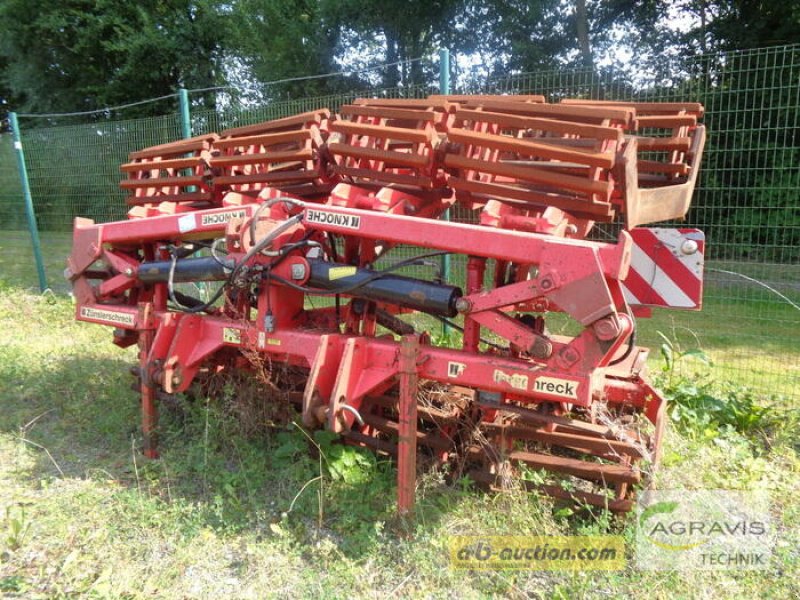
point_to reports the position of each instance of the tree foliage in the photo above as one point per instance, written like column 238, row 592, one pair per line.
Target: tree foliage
column 740, row 24
column 397, row 31
column 283, row 39
column 72, row 55
column 67, row 55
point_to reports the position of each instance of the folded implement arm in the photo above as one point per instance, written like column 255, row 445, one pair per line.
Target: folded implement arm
column 314, row 205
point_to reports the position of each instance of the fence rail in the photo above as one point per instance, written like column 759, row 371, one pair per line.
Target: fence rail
column 746, row 200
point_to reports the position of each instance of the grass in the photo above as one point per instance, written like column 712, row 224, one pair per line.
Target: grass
column 83, row 514
column 17, row 264
column 748, row 347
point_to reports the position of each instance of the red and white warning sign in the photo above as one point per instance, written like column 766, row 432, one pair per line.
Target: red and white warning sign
column 666, row 268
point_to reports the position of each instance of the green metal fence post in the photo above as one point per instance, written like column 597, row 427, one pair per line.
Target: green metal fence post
column 186, row 132
column 444, row 71
column 26, row 193
column 186, row 119
column 444, row 88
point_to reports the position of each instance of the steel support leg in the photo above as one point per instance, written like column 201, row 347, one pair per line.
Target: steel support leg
column 476, row 267
column 407, row 443
column 148, row 388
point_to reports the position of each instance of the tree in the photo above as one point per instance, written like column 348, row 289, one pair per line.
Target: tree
column 582, row 30
column 518, row 35
column 6, row 97
column 531, row 36
column 754, row 23
column 281, row 39
column 76, row 55
column 395, row 32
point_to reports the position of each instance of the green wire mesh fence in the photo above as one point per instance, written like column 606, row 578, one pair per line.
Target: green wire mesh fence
column 206, row 121
column 12, row 214
column 74, row 169
column 746, row 201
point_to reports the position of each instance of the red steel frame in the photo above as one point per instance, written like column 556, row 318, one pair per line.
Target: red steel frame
column 542, row 174
column 579, row 277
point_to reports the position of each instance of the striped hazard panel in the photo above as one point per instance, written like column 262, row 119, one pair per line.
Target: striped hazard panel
column 666, row 268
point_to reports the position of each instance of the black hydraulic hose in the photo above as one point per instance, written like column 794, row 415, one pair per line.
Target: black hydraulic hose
column 267, row 204
column 348, row 289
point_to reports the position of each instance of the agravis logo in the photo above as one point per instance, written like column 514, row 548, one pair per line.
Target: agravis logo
column 662, row 508
column 702, row 529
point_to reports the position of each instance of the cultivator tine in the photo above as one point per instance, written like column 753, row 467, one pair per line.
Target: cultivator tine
column 440, row 415
column 600, row 463
column 176, row 172
column 612, row 503
column 472, row 98
column 441, row 108
column 694, row 109
column 429, row 414
column 574, row 441
column 621, row 116
column 148, row 389
column 582, row 469
column 391, row 427
column 372, row 442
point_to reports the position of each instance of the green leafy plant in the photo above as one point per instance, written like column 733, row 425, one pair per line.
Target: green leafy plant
column 702, row 406
column 12, row 584
column 451, row 339
column 16, row 526
column 675, row 357
column 535, row 476
column 345, row 463
column 707, row 409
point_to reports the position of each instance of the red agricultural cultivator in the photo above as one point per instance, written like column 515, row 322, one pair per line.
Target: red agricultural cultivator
column 547, row 374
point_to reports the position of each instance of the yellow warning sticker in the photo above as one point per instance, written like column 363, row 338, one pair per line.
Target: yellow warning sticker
column 231, row 335
column 515, row 380
column 264, row 341
column 340, row 272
